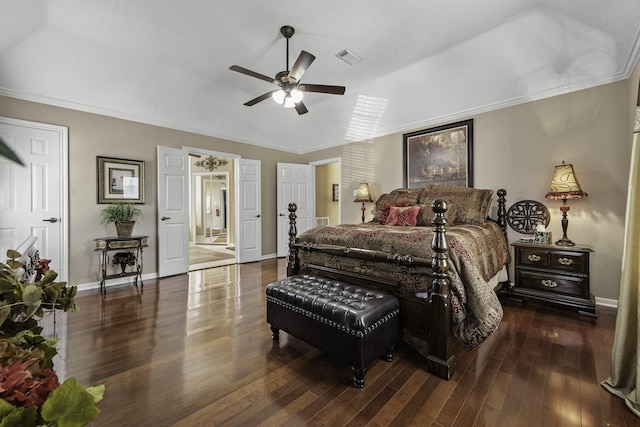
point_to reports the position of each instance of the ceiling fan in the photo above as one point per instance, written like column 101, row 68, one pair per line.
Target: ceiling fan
column 290, row 90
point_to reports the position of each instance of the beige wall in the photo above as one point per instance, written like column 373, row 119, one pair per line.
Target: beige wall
column 516, row 149
column 92, row 135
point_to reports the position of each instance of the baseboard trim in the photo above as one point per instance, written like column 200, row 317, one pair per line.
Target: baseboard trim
column 115, row 282
column 606, row 302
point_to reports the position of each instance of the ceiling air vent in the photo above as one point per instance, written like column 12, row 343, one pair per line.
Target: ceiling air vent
column 349, row 57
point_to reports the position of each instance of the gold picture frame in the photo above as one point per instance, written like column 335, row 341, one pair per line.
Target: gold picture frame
column 120, row 180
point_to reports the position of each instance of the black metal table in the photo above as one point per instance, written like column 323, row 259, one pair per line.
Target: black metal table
column 130, row 255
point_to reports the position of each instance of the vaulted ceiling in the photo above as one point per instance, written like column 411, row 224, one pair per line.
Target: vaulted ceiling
column 423, row 62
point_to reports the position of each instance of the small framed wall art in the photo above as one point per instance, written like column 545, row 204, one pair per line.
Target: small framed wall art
column 441, row 155
column 120, row 180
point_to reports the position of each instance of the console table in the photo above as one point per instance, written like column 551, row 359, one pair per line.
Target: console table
column 129, row 258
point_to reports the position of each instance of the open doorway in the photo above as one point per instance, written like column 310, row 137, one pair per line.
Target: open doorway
column 211, row 231
column 327, row 191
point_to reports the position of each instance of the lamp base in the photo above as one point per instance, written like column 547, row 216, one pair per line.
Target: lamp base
column 565, row 242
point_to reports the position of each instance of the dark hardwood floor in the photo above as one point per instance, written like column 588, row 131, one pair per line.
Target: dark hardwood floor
column 196, row 350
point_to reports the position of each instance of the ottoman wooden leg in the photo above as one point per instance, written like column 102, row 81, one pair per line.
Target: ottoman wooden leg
column 388, row 356
column 275, row 333
column 358, row 376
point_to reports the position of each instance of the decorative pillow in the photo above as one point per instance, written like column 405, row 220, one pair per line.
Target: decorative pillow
column 403, row 215
column 464, row 205
column 379, row 207
column 384, row 214
column 408, row 195
column 398, row 197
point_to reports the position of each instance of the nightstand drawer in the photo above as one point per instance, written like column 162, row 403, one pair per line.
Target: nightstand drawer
column 576, row 262
column 532, row 257
column 552, row 283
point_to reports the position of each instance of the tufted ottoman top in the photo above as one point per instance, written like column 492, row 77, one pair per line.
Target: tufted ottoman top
column 351, row 306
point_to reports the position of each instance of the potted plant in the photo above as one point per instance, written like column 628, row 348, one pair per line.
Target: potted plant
column 123, row 215
column 30, row 391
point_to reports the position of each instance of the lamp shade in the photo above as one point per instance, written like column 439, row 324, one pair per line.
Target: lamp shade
column 564, row 184
column 364, row 195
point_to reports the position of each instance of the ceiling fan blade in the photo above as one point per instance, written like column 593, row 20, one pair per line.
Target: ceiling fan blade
column 300, row 108
column 260, row 98
column 333, row 90
column 302, row 63
column 252, row 74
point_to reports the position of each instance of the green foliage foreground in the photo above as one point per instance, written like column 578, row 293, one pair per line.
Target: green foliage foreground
column 30, row 394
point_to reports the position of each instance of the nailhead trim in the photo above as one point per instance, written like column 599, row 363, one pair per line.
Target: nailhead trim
column 334, row 324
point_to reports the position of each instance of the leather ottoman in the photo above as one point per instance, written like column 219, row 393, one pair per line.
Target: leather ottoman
column 352, row 323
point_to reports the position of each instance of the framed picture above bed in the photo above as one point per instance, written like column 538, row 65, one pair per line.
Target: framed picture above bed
column 441, row 155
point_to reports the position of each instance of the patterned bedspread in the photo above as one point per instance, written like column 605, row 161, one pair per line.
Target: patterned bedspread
column 477, row 253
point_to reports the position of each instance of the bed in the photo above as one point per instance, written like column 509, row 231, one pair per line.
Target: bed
column 435, row 249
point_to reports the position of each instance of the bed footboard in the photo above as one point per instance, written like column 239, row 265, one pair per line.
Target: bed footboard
column 440, row 360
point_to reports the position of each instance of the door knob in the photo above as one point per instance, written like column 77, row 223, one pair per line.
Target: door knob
column 258, row 216
column 281, row 214
column 164, row 218
column 51, row 220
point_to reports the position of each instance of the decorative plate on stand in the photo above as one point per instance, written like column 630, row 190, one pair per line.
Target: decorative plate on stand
column 525, row 215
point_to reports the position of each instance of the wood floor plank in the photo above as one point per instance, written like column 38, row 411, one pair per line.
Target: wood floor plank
column 474, row 402
column 412, row 381
column 424, row 406
column 196, row 350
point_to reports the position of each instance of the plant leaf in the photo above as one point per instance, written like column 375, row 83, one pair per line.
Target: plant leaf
column 5, row 312
column 49, row 277
column 70, row 405
column 12, row 253
column 97, row 392
column 14, row 264
column 11, row 416
column 31, row 295
column 8, row 153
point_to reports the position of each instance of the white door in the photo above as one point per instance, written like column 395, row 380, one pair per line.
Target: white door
column 33, row 197
column 173, row 211
column 294, row 184
column 249, row 244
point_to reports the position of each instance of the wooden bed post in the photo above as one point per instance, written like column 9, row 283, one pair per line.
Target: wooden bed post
column 502, row 210
column 505, row 287
column 440, row 360
column 293, row 264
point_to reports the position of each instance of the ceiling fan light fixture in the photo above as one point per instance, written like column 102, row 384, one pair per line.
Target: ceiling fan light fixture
column 296, row 95
column 289, row 102
column 278, row 96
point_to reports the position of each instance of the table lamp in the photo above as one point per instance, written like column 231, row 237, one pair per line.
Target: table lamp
column 363, row 196
column 564, row 186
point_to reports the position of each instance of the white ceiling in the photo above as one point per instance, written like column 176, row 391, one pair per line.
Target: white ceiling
column 166, row 62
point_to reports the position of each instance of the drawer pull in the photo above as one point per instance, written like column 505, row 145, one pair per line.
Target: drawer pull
column 565, row 261
column 534, row 258
column 549, row 283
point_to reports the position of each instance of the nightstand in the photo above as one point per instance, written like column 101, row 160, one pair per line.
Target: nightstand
column 554, row 274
